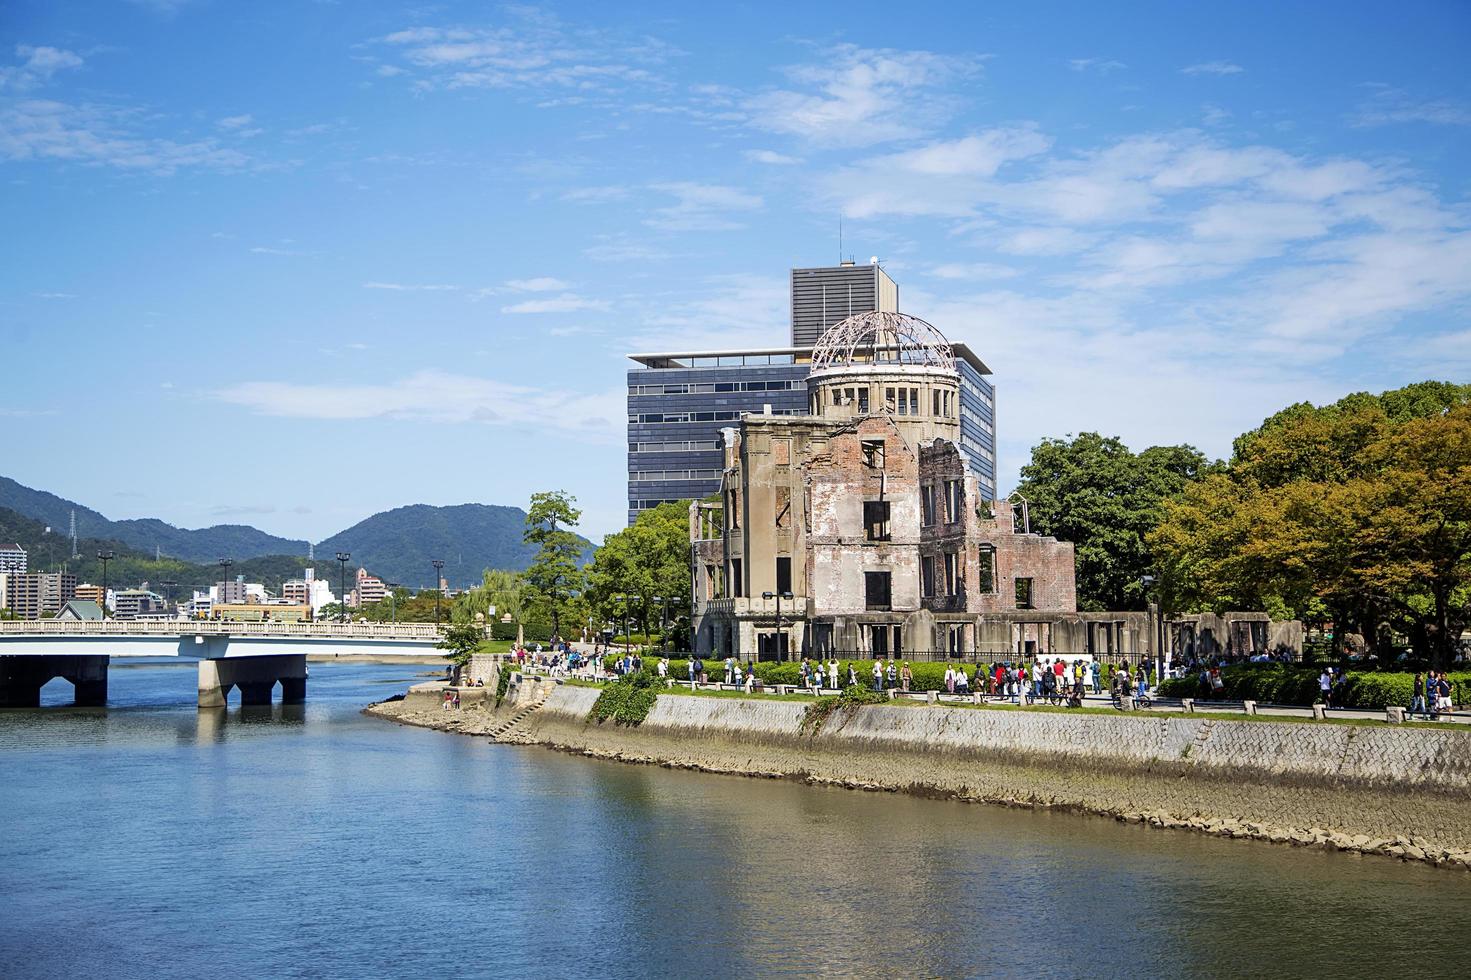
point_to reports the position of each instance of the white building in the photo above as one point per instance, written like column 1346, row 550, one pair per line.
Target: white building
column 12, row 558
column 308, row 590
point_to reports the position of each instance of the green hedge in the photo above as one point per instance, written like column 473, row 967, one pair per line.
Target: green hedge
column 534, row 632
column 1281, row 684
column 928, row 676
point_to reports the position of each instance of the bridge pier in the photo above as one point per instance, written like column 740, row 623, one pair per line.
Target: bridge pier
column 21, row 679
column 256, row 677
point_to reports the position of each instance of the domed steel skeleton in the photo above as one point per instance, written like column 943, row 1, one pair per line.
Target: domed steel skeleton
column 876, row 338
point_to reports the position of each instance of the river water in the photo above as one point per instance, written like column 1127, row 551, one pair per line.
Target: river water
column 154, row 840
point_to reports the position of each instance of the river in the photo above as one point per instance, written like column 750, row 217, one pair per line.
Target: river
column 154, row 840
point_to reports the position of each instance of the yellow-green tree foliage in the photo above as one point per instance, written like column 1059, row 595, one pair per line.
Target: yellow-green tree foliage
column 1358, row 512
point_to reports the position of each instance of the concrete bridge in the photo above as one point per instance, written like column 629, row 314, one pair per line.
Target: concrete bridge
column 251, row 657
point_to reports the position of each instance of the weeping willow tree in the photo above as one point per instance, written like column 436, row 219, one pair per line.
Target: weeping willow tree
column 502, row 591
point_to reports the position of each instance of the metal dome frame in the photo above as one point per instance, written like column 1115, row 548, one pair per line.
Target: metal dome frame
column 894, row 339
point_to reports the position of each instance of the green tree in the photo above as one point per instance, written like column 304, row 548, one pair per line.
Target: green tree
column 649, row 558
column 1358, row 512
column 554, row 575
column 461, row 640
column 1093, row 491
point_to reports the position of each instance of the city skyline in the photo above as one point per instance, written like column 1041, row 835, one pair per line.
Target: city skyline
column 407, row 254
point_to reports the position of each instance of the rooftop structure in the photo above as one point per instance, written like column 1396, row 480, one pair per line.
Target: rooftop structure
column 827, row 295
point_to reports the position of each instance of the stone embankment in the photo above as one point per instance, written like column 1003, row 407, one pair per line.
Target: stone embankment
column 1385, row 790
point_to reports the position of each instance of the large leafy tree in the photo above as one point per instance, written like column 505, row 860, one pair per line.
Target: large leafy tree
column 554, row 575
column 1358, row 512
column 1093, row 491
column 649, row 558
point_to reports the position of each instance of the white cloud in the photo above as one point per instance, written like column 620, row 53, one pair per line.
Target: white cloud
column 700, row 207
column 1213, row 68
column 235, row 122
column 973, row 271
column 618, row 248
column 566, row 303
column 771, row 157
column 731, row 312
column 530, row 51
column 37, row 65
column 410, row 288
column 1100, row 65
column 440, row 397
column 539, row 284
column 37, row 129
column 595, row 195
column 272, row 250
column 859, row 96
column 1386, row 106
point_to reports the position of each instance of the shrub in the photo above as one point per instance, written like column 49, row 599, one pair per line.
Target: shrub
column 851, row 699
column 1284, row 684
column 627, row 702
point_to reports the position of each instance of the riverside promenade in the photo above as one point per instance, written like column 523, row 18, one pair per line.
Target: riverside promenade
column 1365, row 786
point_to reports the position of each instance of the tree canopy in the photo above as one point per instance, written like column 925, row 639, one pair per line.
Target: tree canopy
column 554, row 574
column 650, row 557
column 1358, row 512
column 1093, row 491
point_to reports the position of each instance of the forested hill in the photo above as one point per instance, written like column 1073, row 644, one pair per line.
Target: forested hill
column 203, row 545
column 396, row 545
column 399, row 544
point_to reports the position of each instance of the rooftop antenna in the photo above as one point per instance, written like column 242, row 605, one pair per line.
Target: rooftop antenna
column 840, row 239
column 311, row 551
column 73, row 533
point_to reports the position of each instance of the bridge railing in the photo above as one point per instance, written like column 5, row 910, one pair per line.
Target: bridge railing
column 183, row 627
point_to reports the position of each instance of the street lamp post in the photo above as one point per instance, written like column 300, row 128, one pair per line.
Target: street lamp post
column 343, row 557
column 105, row 557
column 781, row 653
column 1156, row 624
column 438, row 563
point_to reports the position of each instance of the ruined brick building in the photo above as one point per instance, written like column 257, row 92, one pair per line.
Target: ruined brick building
column 862, row 519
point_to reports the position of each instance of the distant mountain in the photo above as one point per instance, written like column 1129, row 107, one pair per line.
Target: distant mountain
column 397, row 545
column 203, row 545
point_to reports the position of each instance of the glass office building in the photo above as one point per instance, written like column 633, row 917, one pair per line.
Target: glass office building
column 678, row 403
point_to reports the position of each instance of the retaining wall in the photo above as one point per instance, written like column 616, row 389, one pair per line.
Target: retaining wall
column 1405, row 792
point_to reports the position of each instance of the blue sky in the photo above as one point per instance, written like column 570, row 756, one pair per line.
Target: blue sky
column 289, row 264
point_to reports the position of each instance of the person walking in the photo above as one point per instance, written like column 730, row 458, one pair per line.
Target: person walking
column 1325, row 687
column 1417, row 701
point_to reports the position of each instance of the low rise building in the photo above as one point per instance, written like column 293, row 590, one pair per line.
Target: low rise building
column 90, row 593
column 138, row 604
column 370, row 589
column 36, row 595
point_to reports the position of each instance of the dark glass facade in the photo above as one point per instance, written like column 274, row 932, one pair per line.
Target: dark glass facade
column 678, row 403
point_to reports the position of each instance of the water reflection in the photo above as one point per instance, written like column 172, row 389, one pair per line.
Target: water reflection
column 309, row 840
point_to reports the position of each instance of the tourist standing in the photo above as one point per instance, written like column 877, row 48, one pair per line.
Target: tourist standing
column 906, row 677
column 878, row 675
column 1417, row 701
column 1325, row 686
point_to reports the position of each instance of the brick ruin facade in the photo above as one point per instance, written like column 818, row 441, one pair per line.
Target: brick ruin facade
column 858, row 531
